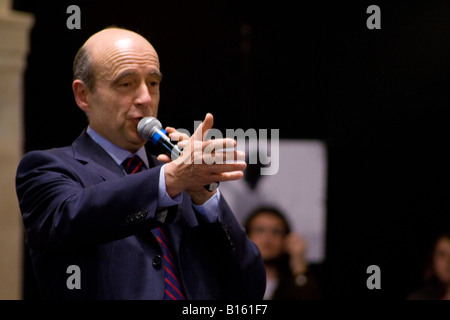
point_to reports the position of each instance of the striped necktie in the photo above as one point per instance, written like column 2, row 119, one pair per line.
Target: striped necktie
column 172, row 290
column 133, row 164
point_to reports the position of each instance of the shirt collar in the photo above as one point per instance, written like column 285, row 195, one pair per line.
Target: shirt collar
column 117, row 153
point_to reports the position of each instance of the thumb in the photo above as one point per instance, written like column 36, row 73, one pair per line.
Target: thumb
column 204, row 127
column 164, row 158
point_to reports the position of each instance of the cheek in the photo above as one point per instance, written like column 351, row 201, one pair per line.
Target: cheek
column 277, row 245
column 103, row 102
column 440, row 265
column 156, row 97
column 119, row 108
column 260, row 241
column 267, row 243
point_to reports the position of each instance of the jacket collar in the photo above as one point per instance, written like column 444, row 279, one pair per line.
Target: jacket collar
column 88, row 152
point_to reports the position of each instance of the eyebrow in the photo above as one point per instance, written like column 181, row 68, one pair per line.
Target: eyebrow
column 133, row 73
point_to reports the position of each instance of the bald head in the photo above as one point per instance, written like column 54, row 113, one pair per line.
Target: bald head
column 102, row 47
column 116, row 84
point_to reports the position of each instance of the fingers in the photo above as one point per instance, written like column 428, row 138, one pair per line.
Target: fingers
column 199, row 135
column 204, row 161
column 227, row 167
column 228, row 176
column 221, row 157
column 210, row 148
column 220, row 177
column 176, row 135
column 182, row 144
column 169, row 130
column 183, row 139
column 223, row 172
column 207, row 124
column 212, row 151
column 203, row 128
column 164, row 158
column 295, row 244
column 220, row 143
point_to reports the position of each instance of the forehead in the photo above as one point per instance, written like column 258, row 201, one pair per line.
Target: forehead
column 267, row 218
column 443, row 243
column 124, row 54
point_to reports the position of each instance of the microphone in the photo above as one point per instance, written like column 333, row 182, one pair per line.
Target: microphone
column 149, row 128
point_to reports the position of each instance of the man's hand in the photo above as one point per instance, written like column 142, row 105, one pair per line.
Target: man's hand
column 202, row 162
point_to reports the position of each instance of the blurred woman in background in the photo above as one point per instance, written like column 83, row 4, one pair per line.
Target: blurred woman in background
column 283, row 253
column 436, row 284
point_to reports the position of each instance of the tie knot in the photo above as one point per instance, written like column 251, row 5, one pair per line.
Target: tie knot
column 133, row 164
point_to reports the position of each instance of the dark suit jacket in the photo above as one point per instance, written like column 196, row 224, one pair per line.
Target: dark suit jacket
column 80, row 209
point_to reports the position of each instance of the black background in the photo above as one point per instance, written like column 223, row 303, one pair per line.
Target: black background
column 377, row 98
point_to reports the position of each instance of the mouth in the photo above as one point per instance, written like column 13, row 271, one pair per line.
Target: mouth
column 136, row 119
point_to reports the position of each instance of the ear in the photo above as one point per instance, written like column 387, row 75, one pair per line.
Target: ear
column 80, row 91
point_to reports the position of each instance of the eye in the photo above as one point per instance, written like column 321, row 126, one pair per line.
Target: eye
column 126, row 82
column 258, row 230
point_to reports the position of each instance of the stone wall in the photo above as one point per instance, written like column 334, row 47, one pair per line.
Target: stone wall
column 14, row 42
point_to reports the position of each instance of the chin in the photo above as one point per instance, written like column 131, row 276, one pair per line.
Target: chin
column 138, row 145
column 134, row 143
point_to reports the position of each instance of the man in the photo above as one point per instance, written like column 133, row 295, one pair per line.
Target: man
column 132, row 234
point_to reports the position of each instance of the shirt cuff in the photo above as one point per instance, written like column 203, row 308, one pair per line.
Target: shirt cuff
column 164, row 200
column 210, row 209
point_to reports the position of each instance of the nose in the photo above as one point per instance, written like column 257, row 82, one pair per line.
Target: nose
column 143, row 96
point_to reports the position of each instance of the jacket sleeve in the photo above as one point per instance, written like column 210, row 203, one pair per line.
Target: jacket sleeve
column 237, row 259
column 60, row 210
column 248, row 276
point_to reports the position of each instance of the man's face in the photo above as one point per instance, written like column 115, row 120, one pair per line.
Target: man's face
column 127, row 80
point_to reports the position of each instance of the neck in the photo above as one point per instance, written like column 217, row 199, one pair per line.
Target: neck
column 271, row 272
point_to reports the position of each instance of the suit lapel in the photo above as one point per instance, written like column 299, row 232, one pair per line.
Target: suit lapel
column 98, row 161
column 95, row 158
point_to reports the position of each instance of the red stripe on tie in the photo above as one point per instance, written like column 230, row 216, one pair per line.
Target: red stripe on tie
column 137, row 167
column 165, row 247
column 164, row 241
column 161, row 242
column 173, row 276
column 169, row 294
column 174, row 287
column 129, row 162
column 169, row 261
column 162, row 233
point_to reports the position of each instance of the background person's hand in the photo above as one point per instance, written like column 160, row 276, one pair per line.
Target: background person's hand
column 295, row 247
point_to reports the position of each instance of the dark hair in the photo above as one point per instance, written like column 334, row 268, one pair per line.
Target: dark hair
column 270, row 210
column 83, row 68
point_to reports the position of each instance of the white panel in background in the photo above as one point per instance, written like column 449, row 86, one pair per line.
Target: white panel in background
column 298, row 189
